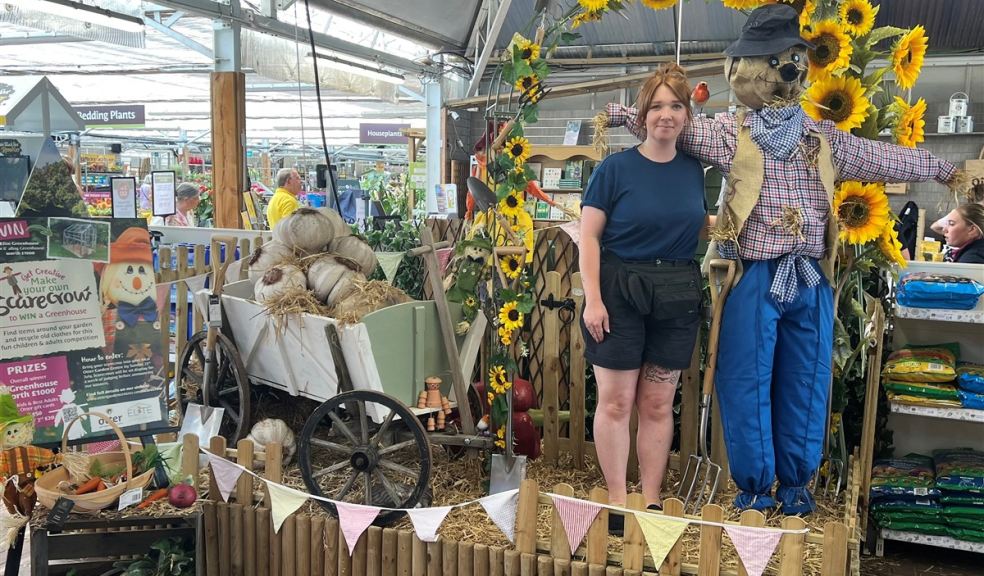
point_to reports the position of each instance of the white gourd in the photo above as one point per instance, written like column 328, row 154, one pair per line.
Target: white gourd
column 339, row 226
column 324, row 273
column 343, row 286
column 306, row 231
column 273, row 430
column 278, row 280
column 265, row 257
column 356, row 249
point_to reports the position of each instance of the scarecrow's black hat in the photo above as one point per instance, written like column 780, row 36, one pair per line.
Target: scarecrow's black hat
column 770, row 29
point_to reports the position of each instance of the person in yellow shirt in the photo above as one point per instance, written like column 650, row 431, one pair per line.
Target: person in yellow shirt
column 284, row 200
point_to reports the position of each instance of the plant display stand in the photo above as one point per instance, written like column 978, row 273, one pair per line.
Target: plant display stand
column 92, row 545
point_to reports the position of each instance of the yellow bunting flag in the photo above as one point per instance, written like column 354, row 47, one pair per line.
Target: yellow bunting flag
column 284, row 501
column 661, row 534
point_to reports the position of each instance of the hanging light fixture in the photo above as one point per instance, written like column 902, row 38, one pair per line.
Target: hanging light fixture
column 360, row 69
column 73, row 18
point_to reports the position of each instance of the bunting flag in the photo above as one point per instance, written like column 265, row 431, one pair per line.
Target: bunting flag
column 284, row 501
column 576, row 516
column 501, row 508
column 226, row 475
column 196, row 283
column 389, row 262
column 661, row 534
column 443, row 257
column 426, row 521
column 353, row 519
column 573, row 229
column 754, row 546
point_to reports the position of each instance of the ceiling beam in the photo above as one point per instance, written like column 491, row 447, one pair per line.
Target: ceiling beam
column 610, row 83
column 41, row 38
column 489, row 48
column 383, row 21
column 165, row 29
column 252, row 20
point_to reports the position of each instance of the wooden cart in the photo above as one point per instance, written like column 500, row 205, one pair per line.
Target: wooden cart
column 366, row 442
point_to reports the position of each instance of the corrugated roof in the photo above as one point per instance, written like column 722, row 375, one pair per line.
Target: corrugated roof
column 950, row 24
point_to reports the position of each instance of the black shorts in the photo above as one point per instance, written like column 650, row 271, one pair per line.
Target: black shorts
column 665, row 336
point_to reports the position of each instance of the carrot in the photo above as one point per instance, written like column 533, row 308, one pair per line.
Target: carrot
column 154, row 497
column 101, row 487
column 90, row 485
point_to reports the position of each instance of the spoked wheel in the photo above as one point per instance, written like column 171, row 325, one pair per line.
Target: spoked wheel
column 230, row 386
column 346, row 456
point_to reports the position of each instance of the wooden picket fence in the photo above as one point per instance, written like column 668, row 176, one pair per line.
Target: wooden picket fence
column 239, row 538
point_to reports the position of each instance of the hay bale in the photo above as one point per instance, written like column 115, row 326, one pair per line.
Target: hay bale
column 366, row 297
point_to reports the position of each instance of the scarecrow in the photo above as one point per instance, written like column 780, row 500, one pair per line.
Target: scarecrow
column 127, row 289
column 19, row 461
column 462, row 285
column 776, row 221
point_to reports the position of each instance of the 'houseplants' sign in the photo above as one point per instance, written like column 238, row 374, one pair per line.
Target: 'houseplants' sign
column 79, row 324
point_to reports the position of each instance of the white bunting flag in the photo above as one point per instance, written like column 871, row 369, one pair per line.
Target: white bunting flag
column 754, row 545
column 576, row 516
column 196, row 283
column 225, row 473
column 501, row 508
column 426, row 521
column 284, row 501
column 353, row 519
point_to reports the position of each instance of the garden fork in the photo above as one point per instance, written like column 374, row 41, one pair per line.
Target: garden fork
column 700, row 479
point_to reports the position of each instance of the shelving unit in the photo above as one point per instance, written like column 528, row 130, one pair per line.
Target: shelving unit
column 922, row 428
column 557, row 157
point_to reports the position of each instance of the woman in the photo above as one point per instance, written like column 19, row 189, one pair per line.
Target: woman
column 187, row 198
column 642, row 215
column 963, row 229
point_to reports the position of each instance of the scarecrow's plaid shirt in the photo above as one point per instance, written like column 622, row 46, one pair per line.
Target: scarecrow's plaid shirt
column 795, row 183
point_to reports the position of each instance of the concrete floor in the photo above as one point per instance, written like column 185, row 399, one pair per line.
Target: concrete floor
column 903, row 559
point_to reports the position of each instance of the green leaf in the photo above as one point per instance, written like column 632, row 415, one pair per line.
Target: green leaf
column 504, row 162
column 541, row 68
column 507, row 295
column 521, row 69
column 530, row 115
column 528, row 172
column 568, row 37
column 499, row 412
column 509, row 73
column 875, row 77
column 525, row 303
column 879, row 34
column 502, row 190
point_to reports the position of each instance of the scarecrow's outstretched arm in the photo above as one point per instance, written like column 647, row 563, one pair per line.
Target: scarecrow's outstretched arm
column 868, row 160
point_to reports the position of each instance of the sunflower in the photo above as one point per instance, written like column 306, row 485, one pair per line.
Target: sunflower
column 857, row 17
column 593, row 5
column 862, row 210
column 840, row 100
column 907, row 57
column 491, row 397
column 500, row 435
column 889, row 245
column 528, row 50
column 911, row 127
column 518, row 149
column 742, row 4
column 511, row 266
column 584, row 18
column 498, row 380
column 470, row 302
column 512, row 204
column 806, row 15
column 659, row 4
column 509, row 316
column 832, row 52
column 528, row 84
column 505, row 336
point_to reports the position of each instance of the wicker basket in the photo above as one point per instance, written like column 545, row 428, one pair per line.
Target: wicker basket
column 47, row 485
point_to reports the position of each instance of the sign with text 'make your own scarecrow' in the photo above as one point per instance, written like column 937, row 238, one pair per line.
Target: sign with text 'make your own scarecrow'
column 80, row 325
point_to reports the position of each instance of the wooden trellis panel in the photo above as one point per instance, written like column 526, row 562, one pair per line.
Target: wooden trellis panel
column 553, row 251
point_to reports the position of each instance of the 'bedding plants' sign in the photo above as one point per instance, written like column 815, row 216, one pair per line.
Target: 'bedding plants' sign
column 80, row 325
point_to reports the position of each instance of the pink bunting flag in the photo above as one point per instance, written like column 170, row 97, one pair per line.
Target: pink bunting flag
column 443, row 257
column 353, row 520
column 501, row 508
column 576, row 516
column 754, row 545
column 426, row 521
column 226, row 475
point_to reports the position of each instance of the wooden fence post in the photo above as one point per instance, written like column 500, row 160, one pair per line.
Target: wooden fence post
column 598, row 532
column 634, row 543
column 672, row 507
column 577, row 371
column 217, row 446
column 529, row 495
column 791, row 547
column 834, row 549
column 755, row 519
column 559, row 546
column 244, row 457
column 709, row 562
column 551, row 372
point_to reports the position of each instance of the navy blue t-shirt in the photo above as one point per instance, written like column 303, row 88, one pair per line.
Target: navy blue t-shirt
column 654, row 210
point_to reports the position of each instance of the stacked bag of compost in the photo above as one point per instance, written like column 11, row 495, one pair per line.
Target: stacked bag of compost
column 923, row 376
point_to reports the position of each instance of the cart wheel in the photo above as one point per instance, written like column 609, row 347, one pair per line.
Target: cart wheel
column 230, row 388
column 344, row 455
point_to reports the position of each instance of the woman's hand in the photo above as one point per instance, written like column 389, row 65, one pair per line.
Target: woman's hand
column 596, row 320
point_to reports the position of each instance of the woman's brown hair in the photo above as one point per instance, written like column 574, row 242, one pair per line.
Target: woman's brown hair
column 673, row 77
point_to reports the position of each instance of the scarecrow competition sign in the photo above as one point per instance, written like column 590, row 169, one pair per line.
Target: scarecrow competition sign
column 79, row 324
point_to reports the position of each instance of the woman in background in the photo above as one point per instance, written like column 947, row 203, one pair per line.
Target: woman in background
column 963, row 229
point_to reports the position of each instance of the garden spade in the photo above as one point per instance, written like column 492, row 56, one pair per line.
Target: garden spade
column 700, row 479
column 508, row 470
column 219, row 266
